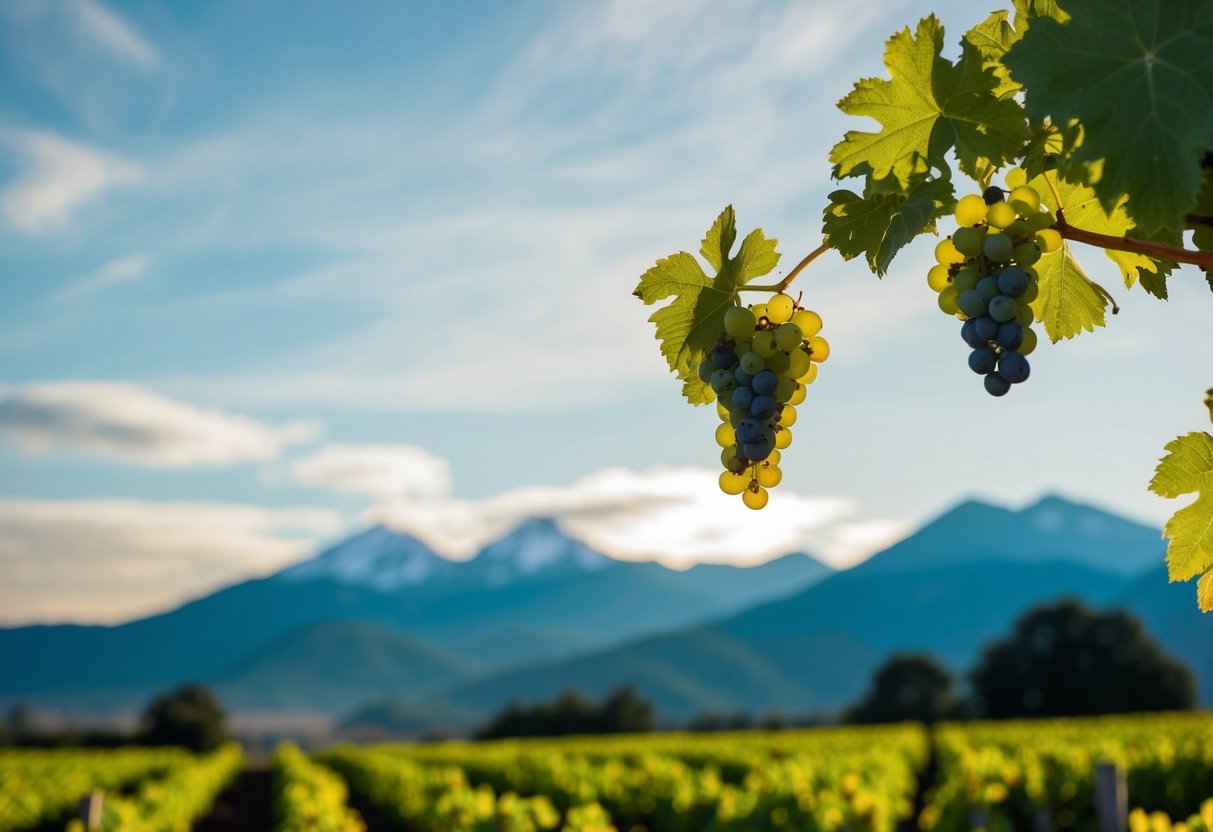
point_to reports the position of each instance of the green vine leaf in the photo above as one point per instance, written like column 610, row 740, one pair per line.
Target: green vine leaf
column 688, row 327
column 1186, row 469
column 927, row 108
column 1138, row 75
column 1068, row 304
column 881, row 222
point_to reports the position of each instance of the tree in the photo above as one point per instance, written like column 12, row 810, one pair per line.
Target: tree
column 907, row 688
column 622, row 711
column 1068, row 660
column 1042, row 111
column 190, row 717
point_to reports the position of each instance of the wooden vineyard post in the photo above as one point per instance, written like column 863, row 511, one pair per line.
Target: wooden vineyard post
column 91, row 809
column 1111, row 798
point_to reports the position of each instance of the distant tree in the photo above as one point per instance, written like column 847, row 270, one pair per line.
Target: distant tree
column 20, row 723
column 190, row 716
column 623, row 711
column 773, row 721
column 907, row 688
column 1066, row 660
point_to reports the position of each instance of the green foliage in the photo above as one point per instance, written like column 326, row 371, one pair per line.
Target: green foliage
column 308, row 796
column 929, row 107
column 689, row 326
column 907, row 688
column 190, row 717
column 1186, row 469
column 1138, row 75
column 882, row 221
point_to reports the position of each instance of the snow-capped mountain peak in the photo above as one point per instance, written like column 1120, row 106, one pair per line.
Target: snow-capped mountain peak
column 379, row 558
column 538, row 545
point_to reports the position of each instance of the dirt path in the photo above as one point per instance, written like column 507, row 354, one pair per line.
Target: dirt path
column 375, row 820
column 247, row 805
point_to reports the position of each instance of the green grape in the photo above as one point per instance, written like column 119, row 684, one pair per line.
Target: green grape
column 1033, row 287
column 1025, row 200
column 722, row 411
column 1042, row 219
column 970, row 210
column 752, row 363
column 1026, row 254
column 783, row 438
column 764, row 344
column 760, row 311
column 799, row 363
column 787, row 416
column 947, row 300
column 774, row 458
column 730, row 460
column 1048, row 240
column 1029, row 341
column 946, row 253
column 808, row 321
column 731, row 483
column 965, row 279
column 778, row 362
column 786, row 388
column 788, row 337
column 755, row 496
column 1024, row 315
column 739, row 322
column 808, row 377
column 1000, row 215
column 768, row 476
column 725, row 435
column 780, row 308
column 1018, row 231
column 800, row 393
column 939, row 277
column 968, row 240
column 998, row 247
column 819, row 349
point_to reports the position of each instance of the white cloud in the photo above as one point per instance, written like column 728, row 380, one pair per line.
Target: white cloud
column 675, row 514
column 136, row 425
column 384, row 472
column 108, row 560
column 62, row 177
column 116, row 272
column 105, row 28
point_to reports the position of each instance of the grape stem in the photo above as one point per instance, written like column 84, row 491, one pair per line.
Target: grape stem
column 1159, row 251
column 792, row 275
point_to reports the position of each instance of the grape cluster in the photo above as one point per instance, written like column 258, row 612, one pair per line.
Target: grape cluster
column 985, row 278
column 759, row 371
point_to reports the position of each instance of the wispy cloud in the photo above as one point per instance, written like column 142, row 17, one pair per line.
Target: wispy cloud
column 116, row 272
column 383, row 472
column 108, row 560
column 135, row 425
column 61, row 177
column 106, row 28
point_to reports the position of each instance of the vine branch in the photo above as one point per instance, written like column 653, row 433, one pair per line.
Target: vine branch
column 792, row 275
column 1160, row 251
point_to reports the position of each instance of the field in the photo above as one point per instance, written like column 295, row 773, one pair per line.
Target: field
column 998, row 776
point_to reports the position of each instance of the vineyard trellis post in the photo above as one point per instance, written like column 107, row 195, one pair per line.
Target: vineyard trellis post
column 1111, row 798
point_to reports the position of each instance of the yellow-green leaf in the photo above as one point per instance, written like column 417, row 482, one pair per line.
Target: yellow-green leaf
column 1188, row 469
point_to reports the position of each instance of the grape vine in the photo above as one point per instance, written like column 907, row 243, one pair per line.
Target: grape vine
column 1080, row 122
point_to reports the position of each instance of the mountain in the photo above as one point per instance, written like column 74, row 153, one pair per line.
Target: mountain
column 1052, row 529
column 816, row 649
column 333, row 665
column 379, row 558
column 533, row 595
column 535, row 548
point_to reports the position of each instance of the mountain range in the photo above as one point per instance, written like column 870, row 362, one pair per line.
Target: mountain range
column 382, row 619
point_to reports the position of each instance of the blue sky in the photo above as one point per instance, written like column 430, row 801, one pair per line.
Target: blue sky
column 271, row 273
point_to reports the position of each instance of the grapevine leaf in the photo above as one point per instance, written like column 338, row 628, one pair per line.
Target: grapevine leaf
column 690, row 324
column 928, row 107
column 992, row 38
column 1068, row 303
column 1025, row 10
column 1084, row 210
column 1188, row 468
column 880, row 223
column 1138, row 75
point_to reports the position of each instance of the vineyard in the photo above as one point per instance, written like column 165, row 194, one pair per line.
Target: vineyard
column 998, row 776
